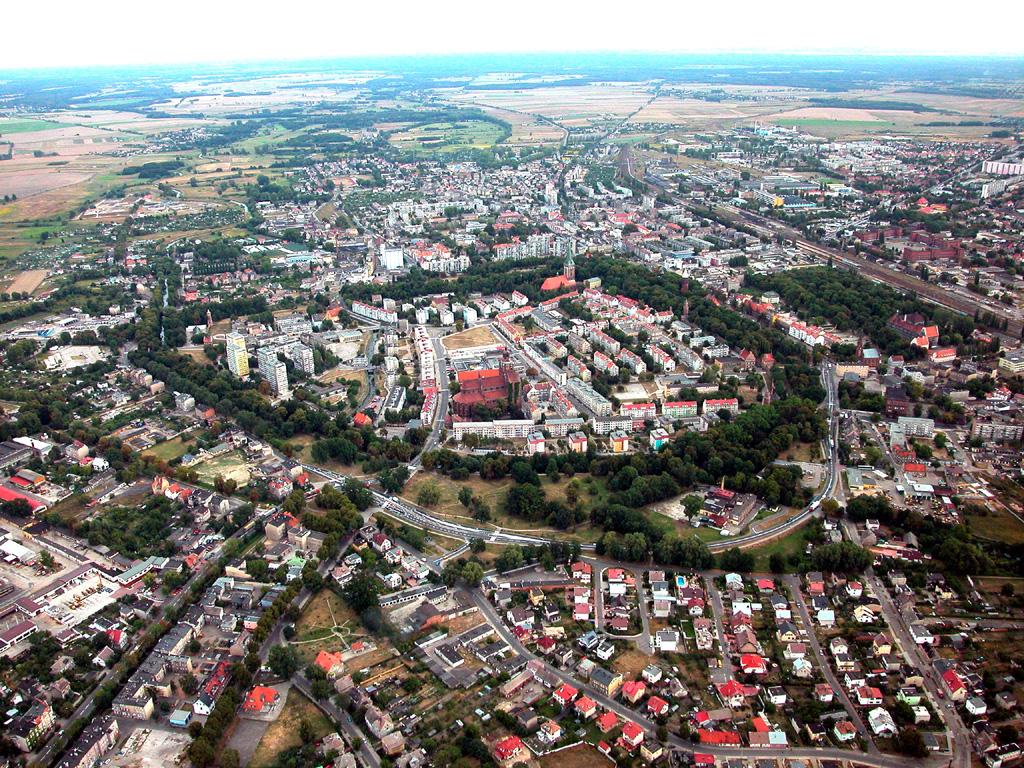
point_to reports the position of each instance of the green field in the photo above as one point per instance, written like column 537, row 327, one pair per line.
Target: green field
column 168, row 450
column 792, row 543
column 448, row 137
column 24, row 126
column 998, row 525
column 820, row 122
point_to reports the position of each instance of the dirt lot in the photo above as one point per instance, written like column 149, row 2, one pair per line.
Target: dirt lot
column 583, row 756
column 27, row 281
column 283, row 733
column 369, row 660
column 151, row 748
column 631, row 663
column 229, row 466
column 995, row 583
column 474, row 337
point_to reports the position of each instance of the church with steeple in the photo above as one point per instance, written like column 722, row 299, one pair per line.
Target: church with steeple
column 565, row 280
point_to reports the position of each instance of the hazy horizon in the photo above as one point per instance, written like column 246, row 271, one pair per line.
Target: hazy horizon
column 115, row 33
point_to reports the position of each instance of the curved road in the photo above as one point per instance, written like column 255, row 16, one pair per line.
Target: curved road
column 416, row 515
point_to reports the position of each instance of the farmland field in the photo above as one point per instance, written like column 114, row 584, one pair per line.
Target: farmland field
column 448, row 137
column 16, row 125
column 998, row 525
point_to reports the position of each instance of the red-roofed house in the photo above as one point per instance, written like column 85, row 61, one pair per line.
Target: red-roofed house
column 565, row 694
column 581, row 571
column 607, row 722
column 118, row 638
column 633, row 690
column 260, row 698
column 632, row 736
column 586, row 707
column 331, row 663
column 955, row 685
column 507, row 749
column 546, row 644
column 719, row 738
column 734, row 694
column 657, row 706
column 753, row 664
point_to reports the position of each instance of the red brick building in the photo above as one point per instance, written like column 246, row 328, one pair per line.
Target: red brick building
column 486, row 388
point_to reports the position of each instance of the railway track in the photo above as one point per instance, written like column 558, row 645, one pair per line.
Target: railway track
column 926, row 291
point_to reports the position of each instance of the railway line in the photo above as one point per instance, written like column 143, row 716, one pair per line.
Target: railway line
column 926, row 291
column 902, row 281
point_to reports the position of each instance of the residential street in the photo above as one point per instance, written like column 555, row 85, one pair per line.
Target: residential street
column 793, row 582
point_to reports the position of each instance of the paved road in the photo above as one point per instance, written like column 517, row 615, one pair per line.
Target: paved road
column 420, row 517
column 958, row 732
column 678, row 744
column 416, row 515
column 367, row 755
column 831, row 478
column 793, row 583
column 276, row 634
column 643, row 642
column 718, row 611
column 87, row 709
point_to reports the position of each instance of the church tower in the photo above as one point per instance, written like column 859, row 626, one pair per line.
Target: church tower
column 569, row 269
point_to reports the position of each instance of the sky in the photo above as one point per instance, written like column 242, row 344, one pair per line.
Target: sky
column 105, row 32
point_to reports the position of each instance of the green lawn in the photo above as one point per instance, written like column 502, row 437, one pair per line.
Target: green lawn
column 168, row 450
column 26, row 125
column 998, row 525
column 790, row 544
